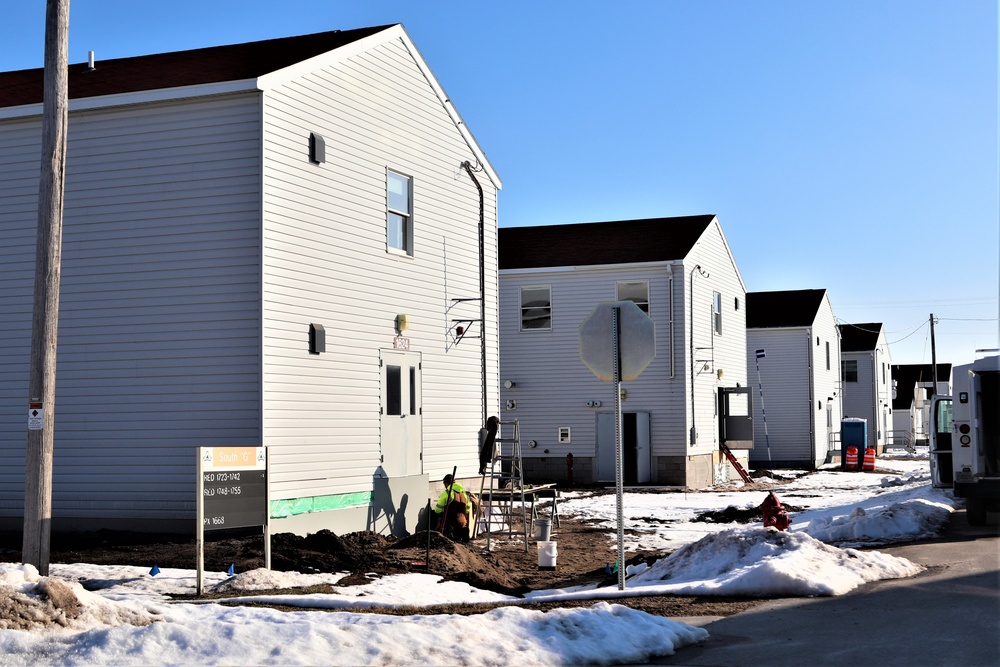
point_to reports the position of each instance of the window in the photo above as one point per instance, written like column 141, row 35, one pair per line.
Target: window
column 399, row 214
column 564, row 434
column 637, row 292
column 827, row 355
column 849, row 370
column 717, row 312
column 536, row 308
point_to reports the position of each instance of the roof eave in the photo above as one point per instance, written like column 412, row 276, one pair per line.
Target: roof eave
column 138, row 97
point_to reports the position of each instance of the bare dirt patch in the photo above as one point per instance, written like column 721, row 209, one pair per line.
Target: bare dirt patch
column 507, row 567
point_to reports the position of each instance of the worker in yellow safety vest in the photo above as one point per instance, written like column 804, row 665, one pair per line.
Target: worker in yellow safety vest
column 453, row 510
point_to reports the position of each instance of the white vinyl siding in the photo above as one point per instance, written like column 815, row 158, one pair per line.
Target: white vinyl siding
column 797, row 388
column 783, row 381
column 871, row 396
column 325, row 261
column 158, row 323
column 553, row 386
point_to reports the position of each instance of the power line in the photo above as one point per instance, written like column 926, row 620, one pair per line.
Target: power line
column 919, row 327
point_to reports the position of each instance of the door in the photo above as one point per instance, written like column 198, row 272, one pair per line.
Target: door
column 401, row 411
column 736, row 417
column 635, row 447
column 942, row 475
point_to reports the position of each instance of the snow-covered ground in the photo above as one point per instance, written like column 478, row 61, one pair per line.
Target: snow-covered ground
column 126, row 616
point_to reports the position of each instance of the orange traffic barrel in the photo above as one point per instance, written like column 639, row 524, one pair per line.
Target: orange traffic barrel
column 869, row 462
column 852, row 458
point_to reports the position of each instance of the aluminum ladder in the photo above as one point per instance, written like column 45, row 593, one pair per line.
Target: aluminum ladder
column 506, row 485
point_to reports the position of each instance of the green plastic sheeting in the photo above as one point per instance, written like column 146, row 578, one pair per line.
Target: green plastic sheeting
column 293, row 506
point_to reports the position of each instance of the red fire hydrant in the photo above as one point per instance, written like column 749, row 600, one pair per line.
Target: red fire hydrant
column 774, row 514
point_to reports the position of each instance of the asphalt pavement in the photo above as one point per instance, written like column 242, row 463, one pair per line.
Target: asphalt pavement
column 947, row 615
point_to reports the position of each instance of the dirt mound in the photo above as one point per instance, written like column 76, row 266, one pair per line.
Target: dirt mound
column 325, row 551
column 733, row 514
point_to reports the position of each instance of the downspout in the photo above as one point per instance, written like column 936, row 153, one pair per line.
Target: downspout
column 482, row 283
column 670, row 326
column 876, row 408
column 694, row 421
column 812, row 396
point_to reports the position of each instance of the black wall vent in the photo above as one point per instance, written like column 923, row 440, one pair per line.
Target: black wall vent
column 317, row 339
column 317, row 148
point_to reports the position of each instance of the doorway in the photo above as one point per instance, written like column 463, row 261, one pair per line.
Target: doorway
column 401, row 413
column 635, row 447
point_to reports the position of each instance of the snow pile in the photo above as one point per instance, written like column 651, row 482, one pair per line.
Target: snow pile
column 909, row 520
column 29, row 601
column 766, row 561
column 211, row 634
column 261, row 579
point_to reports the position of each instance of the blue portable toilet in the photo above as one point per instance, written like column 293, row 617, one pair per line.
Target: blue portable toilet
column 853, row 433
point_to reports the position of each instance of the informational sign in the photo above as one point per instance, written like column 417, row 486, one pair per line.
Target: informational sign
column 36, row 415
column 233, row 487
column 232, row 493
column 400, row 343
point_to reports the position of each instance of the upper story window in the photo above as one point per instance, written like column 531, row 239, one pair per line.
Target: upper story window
column 717, row 312
column 399, row 212
column 849, row 370
column 827, row 355
column 536, row 307
column 635, row 291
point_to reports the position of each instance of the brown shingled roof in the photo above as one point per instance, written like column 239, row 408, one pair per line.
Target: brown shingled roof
column 791, row 308
column 593, row 243
column 859, row 337
column 180, row 68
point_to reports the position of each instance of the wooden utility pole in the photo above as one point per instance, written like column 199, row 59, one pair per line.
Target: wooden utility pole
column 45, row 314
column 934, row 377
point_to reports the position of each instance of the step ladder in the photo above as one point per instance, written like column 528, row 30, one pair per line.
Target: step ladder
column 503, row 484
column 736, row 464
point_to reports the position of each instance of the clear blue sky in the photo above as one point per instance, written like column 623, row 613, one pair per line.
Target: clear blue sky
column 847, row 145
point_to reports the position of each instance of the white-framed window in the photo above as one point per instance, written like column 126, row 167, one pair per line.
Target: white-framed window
column 717, row 313
column 636, row 291
column 849, row 370
column 399, row 212
column 536, row 308
column 565, row 436
column 827, row 355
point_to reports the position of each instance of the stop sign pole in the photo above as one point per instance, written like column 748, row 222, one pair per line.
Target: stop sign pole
column 632, row 332
column 616, row 352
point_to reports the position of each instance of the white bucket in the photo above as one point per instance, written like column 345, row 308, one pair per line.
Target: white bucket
column 547, row 552
column 543, row 530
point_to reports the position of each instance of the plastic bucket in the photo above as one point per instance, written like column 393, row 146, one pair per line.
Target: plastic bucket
column 547, row 553
column 543, row 530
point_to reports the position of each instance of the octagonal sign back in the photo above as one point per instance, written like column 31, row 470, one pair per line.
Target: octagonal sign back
column 637, row 341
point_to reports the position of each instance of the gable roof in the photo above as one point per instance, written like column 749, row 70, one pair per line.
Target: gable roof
column 596, row 243
column 792, row 308
column 859, row 337
column 235, row 67
column 179, row 68
column 906, row 376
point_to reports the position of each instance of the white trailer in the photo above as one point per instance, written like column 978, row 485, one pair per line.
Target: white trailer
column 965, row 440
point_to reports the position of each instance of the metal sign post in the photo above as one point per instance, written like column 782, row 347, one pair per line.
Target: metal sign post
column 616, row 325
column 617, row 342
column 759, row 354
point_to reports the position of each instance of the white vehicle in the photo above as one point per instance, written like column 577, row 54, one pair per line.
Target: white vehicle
column 965, row 440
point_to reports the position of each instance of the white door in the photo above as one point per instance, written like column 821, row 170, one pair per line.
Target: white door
column 605, row 447
column 402, row 444
column 642, row 453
